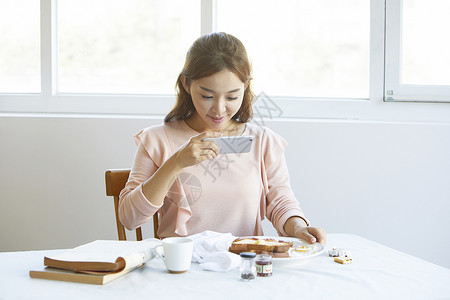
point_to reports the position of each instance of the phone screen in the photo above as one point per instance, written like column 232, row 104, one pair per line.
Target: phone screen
column 233, row 144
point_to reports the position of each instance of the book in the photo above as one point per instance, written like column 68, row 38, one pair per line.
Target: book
column 72, row 276
column 97, row 262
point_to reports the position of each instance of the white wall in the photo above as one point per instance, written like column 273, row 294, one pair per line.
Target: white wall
column 388, row 182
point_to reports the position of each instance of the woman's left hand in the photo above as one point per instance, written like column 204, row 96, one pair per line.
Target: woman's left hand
column 312, row 235
column 297, row 227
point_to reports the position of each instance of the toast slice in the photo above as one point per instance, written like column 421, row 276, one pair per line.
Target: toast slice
column 260, row 245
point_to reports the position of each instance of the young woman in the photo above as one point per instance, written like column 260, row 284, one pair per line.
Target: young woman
column 185, row 178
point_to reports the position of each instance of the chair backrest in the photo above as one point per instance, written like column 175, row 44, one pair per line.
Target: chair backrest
column 115, row 180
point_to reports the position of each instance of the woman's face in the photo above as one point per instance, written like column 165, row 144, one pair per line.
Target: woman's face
column 216, row 99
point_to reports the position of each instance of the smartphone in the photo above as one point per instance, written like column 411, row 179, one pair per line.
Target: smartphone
column 233, row 144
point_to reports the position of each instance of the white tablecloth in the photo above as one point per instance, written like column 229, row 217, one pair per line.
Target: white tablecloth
column 377, row 272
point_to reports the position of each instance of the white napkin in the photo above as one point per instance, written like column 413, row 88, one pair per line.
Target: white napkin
column 211, row 251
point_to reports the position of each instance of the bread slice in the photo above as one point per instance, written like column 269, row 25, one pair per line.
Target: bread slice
column 259, row 245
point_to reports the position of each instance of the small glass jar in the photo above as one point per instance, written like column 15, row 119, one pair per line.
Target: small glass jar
column 264, row 265
column 248, row 268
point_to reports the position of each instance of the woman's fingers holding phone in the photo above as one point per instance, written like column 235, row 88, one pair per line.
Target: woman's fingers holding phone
column 206, row 134
column 210, row 145
column 196, row 150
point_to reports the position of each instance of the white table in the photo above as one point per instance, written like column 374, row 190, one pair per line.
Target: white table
column 377, row 272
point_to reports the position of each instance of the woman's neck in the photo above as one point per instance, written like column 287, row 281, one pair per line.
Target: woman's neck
column 232, row 128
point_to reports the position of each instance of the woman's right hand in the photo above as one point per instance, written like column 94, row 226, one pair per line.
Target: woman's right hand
column 196, row 150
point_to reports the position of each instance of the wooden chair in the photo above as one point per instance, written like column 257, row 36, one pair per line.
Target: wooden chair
column 115, row 180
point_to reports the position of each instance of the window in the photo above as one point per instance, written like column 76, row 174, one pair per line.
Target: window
column 19, row 47
column 346, row 59
column 303, row 48
column 417, row 50
column 124, row 47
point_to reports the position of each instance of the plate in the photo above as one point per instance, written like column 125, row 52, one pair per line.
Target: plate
column 295, row 256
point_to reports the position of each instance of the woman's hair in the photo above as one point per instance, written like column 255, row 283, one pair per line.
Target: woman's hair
column 208, row 55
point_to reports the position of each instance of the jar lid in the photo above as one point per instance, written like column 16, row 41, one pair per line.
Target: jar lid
column 248, row 254
column 263, row 257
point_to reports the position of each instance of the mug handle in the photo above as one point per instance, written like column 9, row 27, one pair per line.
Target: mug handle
column 157, row 251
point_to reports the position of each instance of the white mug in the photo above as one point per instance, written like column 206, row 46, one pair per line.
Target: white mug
column 177, row 253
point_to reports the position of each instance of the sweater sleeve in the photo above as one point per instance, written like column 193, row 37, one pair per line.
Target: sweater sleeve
column 281, row 203
column 134, row 208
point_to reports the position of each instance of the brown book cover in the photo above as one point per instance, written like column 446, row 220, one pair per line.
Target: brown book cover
column 72, row 276
column 97, row 262
column 116, row 266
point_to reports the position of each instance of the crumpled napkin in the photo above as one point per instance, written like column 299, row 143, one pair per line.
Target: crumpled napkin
column 211, row 251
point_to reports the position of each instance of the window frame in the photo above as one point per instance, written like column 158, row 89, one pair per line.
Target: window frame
column 395, row 90
column 375, row 108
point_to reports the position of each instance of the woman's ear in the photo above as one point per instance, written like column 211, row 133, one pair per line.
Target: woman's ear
column 185, row 84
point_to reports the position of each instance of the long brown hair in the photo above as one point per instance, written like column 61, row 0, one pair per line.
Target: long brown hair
column 208, row 55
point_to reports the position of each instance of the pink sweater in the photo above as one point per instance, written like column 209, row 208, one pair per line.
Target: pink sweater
column 231, row 193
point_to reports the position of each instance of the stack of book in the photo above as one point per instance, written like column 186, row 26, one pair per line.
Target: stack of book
column 97, row 262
